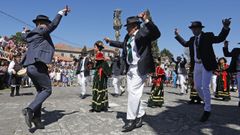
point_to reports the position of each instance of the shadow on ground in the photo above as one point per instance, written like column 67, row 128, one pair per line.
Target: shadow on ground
column 50, row 117
column 184, row 119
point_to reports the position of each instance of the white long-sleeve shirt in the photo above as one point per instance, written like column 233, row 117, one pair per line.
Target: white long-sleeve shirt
column 10, row 67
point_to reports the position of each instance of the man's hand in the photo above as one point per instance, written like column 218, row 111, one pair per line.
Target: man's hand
column 25, row 29
column 65, row 11
column 143, row 16
column 176, row 32
column 107, row 40
column 226, row 22
column 226, row 43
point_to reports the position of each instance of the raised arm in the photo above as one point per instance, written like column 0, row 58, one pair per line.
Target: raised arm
column 51, row 27
column 114, row 43
column 173, row 60
column 55, row 22
column 221, row 37
column 181, row 40
column 224, row 32
column 226, row 51
column 24, row 33
column 149, row 29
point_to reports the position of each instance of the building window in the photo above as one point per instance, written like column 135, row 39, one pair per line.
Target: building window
column 62, row 54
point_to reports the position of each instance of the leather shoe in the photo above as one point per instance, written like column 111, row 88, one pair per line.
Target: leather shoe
column 28, row 114
column 122, row 92
column 129, row 126
column 82, row 96
column 91, row 110
column 191, row 102
column 38, row 124
column 205, row 116
column 115, row 95
column 139, row 121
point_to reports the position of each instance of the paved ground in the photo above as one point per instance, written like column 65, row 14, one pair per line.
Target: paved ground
column 66, row 114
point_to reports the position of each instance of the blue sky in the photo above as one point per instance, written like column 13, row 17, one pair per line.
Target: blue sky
column 92, row 20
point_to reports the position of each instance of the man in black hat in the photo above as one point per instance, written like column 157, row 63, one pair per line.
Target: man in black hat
column 40, row 52
column 234, row 64
column 181, row 72
column 83, row 73
column 117, row 69
column 203, row 60
column 137, row 54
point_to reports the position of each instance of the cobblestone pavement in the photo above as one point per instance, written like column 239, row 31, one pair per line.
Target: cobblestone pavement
column 65, row 113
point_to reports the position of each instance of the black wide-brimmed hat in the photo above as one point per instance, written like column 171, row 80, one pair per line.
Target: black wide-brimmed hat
column 196, row 24
column 132, row 20
column 179, row 58
column 42, row 18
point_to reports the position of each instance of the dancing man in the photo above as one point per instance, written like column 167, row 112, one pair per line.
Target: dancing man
column 117, row 70
column 40, row 52
column 181, row 72
column 138, row 57
column 203, row 59
column 234, row 65
column 83, row 73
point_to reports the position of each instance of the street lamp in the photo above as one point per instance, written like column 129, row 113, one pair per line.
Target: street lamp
column 117, row 25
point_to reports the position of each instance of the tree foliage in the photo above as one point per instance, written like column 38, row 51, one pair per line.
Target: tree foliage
column 166, row 53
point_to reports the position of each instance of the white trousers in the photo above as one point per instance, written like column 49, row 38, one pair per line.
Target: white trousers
column 202, row 79
column 182, row 81
column 135, row 86
column 238, row 82
column 82, row 82
column 214, row 83
column 117, row 84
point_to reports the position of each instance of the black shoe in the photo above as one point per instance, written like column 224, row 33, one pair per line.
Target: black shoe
column 28, row 113
column 82, row 96
column 38, row 124
column 191, row 102
column 129, row 126
column 91, row 110
column 205, row 116
column 122, row 92
column 115, row 95
column 17, row 91
column 12, row 92
column 139, row 121
column 104, row 109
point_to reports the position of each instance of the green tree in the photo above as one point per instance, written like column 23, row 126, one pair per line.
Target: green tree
column 18, row 39
column 155, row 48
column 166, row 53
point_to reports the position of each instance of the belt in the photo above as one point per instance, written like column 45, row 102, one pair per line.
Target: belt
column 132, row 66
column 198, row 62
